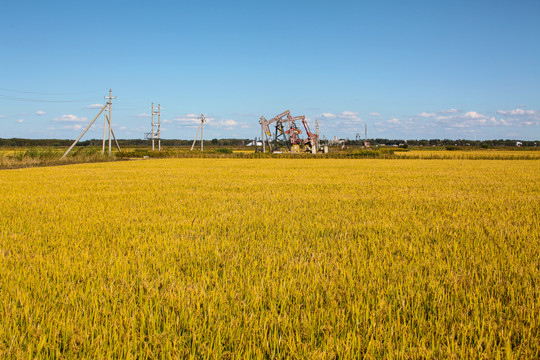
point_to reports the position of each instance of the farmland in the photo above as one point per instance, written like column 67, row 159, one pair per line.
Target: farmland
column 271, row 258
column 32, row 156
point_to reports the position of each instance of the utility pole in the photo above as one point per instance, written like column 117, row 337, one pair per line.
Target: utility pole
column 109, row 103
column 106, row 121
column 158, row 133
column 84, row 132
column 203, row 119
column 152, row 134
column 159, row 126
column 200, row 128
column 104, row 129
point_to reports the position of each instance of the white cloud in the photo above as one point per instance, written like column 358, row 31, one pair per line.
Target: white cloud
column 438, row 114
column 446, row 123
column 441, row 124
column 2, row 116
column 374, row 114
column 474, row 115
column 343, row 122
column 144, row 115
column 426, row 115
column 190, row 120
column 73, row 127
column 519, row 117
column 70, row 118
column 443, row 118
column 516, row 112
column 504, row 122
column 40, row 112
column 20, row 121
column 468, row 120
column 349, row 114
column 451, row 111
column 226, row 123
column 345, row 115
column 95, row 106
column 454, row 119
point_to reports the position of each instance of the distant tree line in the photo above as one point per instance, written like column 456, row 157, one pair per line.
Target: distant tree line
column 122, row 142
column 13, row 142
column 443, row 142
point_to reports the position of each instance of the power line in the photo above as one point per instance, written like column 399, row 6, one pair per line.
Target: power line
column 41, row 93
column 15, row 98
column 133, row 108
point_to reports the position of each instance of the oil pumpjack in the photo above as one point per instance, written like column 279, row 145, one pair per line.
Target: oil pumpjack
column 286, row 135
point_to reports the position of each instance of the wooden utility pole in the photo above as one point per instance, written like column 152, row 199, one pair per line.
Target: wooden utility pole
column 159, row 126
column 109, row 119
column 104, row 129
column 200, row 128
column 84, row 132
column 106, row 121
column 152, row 133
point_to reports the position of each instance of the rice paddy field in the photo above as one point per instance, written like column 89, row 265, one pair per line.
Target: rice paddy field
column 271, row 259
column 472, row 154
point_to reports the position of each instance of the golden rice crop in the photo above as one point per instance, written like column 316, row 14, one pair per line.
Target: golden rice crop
column 472, row 154
column 271, row 258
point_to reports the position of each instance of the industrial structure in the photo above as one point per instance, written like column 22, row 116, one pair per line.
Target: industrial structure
column 286, row 135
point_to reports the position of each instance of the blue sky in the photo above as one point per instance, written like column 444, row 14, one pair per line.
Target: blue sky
column 410, row 70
